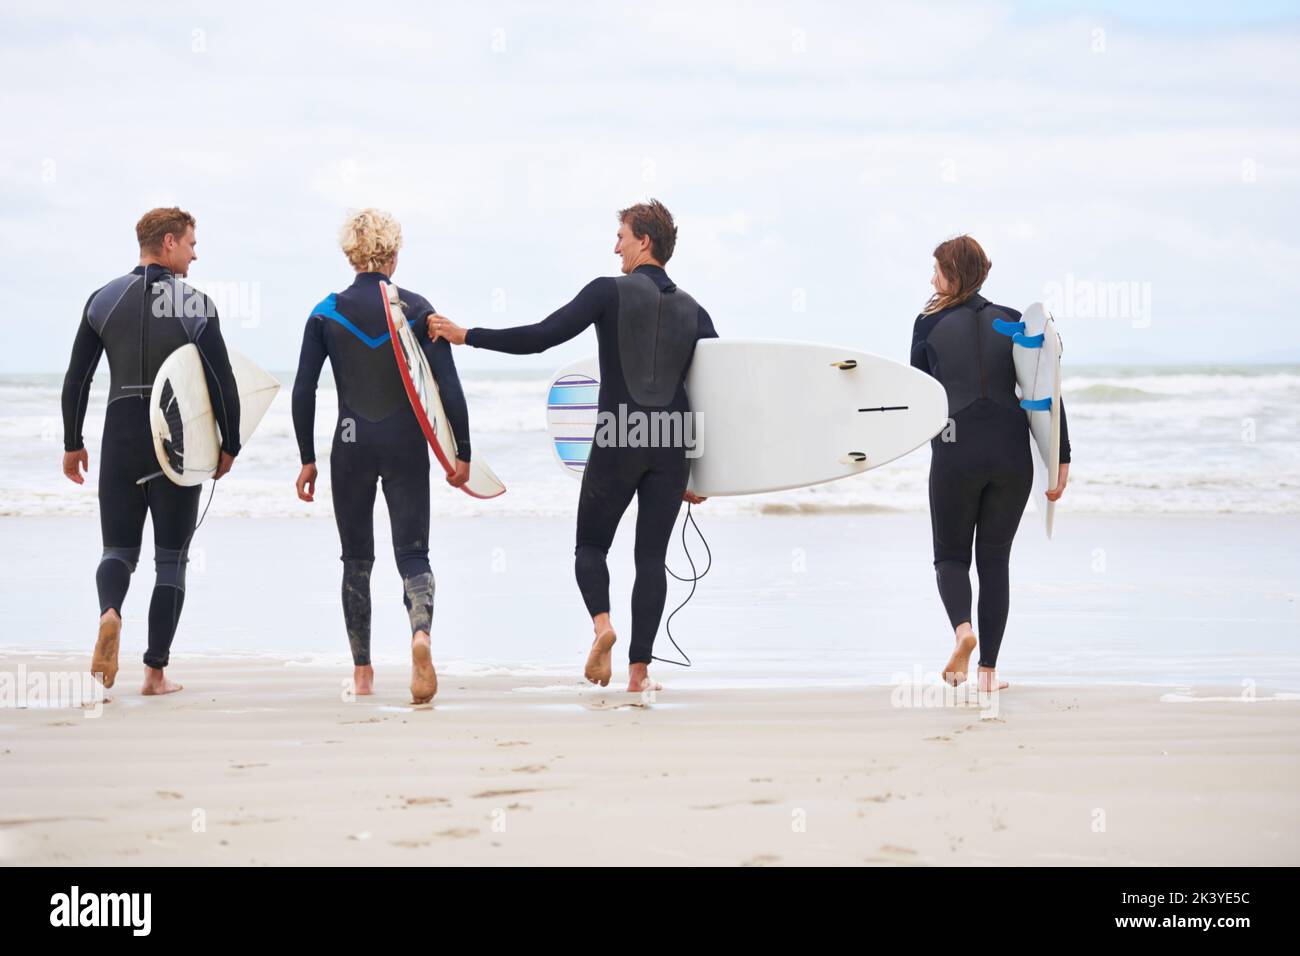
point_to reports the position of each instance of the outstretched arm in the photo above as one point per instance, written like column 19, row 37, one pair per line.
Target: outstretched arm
column 560, row 326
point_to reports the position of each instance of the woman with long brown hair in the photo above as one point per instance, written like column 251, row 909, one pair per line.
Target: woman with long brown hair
column 980, row 467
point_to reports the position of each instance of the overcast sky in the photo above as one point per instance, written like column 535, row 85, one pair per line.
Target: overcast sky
column 1140, row 170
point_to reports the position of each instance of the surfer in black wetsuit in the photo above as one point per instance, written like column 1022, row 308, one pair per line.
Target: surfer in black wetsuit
column 377, row 437
column 646, row 329
column 980, row 468
column 139, row 319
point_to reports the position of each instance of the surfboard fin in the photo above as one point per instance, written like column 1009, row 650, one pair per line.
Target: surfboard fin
column 1003, row 327
column 1028, row 341
column 846, row 365
column 854, row 458
column 1036, row 405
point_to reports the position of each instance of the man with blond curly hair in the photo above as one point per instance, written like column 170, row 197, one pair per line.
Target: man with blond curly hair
column 377, row 436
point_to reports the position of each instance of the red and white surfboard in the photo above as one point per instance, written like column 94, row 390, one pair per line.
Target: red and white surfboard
column 422, row 390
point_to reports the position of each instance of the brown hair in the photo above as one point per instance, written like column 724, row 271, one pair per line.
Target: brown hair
column 652, row 219
column 157, row 223
column 964, row 265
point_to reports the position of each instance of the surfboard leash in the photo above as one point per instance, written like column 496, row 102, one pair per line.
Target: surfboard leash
column 694, row 579
column 211, row 495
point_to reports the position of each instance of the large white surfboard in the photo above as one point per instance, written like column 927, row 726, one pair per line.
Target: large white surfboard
column 772, row 415
column 1036, row 352
column 185, row 435
column 422, row 391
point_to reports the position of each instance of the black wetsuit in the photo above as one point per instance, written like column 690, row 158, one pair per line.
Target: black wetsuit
column 138, row 330
column 643, row 369
column 980, row 470
column 377, row 437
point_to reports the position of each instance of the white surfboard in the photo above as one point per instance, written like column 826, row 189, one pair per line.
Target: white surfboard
column 1036, row 352
column 422, row 390
column 185, row 435
column 773, row 415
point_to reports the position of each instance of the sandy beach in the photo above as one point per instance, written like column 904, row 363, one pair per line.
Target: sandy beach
column 259, row 763
column 1153, row 717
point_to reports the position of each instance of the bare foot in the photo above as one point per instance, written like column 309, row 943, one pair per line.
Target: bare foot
column 988, row 676
column 638, row 679
column 599, row 669
column 363, row 680
column 424, row 679
column 958, row 665
column 156, row 684
column 104, row 661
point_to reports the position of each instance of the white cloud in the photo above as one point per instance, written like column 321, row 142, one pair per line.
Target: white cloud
column 825, row 148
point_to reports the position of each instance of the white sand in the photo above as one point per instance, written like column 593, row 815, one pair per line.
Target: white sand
column 726, row 766
column 280, row 769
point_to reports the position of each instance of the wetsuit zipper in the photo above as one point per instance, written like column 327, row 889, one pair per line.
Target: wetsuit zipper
column 979, row 356
column 144, row 332
column 654, row 365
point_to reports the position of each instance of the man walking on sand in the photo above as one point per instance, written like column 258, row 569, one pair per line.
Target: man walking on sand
column 139, row 319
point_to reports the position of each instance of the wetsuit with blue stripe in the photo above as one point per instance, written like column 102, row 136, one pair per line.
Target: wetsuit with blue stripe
column 139, row 319
column 981, row 469
column 377, row 437
column 646, row 329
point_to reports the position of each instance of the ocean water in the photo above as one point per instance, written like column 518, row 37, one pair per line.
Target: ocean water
column 1168, row 440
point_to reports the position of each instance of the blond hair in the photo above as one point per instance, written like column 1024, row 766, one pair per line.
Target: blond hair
column 370, row 238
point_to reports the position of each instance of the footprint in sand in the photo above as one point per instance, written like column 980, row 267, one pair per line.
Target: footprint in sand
column 618, row 705
column 531, row 768
column 410, row 844
column 893, row 854
column 878, row 798
column 169, row 795
column 425, row 801
column 488, row 794
column 513, row 743
column 763, row 859
column 247, row 766
column 760, row 802
column 20, row 821
column 949, row 739
column 415, row 843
